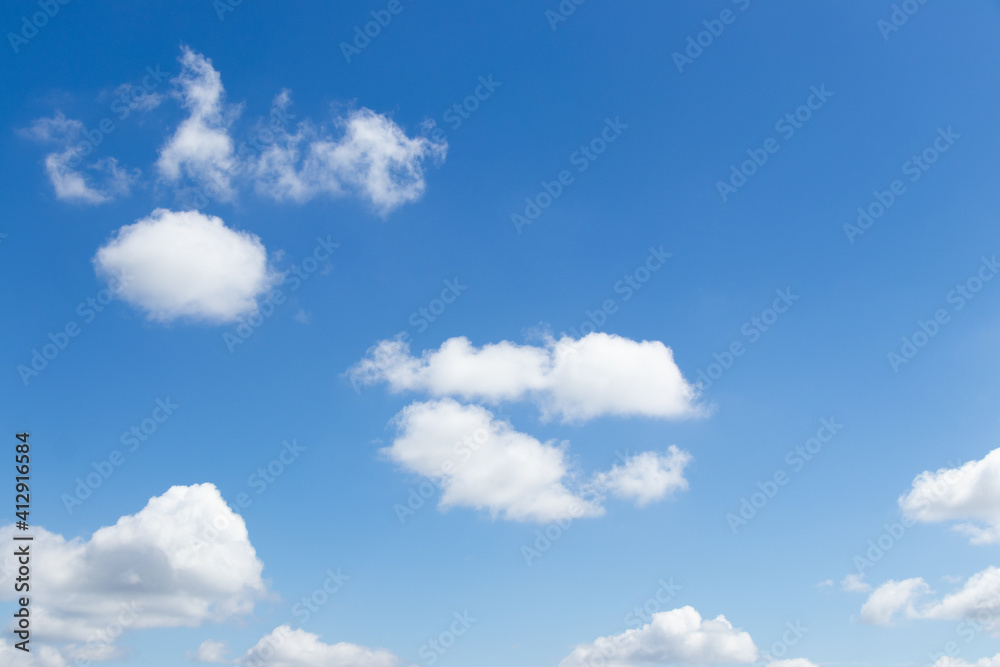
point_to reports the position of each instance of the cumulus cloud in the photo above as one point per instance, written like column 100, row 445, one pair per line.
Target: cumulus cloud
column 285, row 647
column 187, row 264
column 600, row 374
column 372, row 158
column 647, row 477
column 484, row 463
column 679, row 636
column 978, row 598
column 40, row 656
column 97, row 183
column 201, row 147
column 183, row 560
column 794, row 662
column 891, row 598
column 969, row 494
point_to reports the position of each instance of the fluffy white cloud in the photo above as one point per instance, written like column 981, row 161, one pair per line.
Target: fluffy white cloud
column 890, row 599
column 484, row 463
column 285, row 647
column 600, row 374
column 679, row 636
column 978, row 598
column 201, row 147
column 969, row 494
column 373, row 158
column 647, row 477
column 855, row 583
column 794, row 662
column 948, row 661
column 183, row 560
column 100, row 182
column 481, row 462
column 187, row 264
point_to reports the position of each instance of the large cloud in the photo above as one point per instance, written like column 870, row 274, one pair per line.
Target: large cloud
column 285, row 647
column 201, row 147
column 969, row 494
column 600, row 374
column 679, row 637
column 183, row 560
column 483, row 463
column 978, row 598
column 187, row 264
column 948, row 661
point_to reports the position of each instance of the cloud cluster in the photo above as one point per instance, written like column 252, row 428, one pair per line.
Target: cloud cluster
column 969, row 494
column 367, row 155
column 285, row 647
column 576, row 380
column 483, row 463
column 187, row 265
column 183, row 560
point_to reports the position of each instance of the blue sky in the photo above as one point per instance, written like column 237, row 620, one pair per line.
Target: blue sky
column 245, row 167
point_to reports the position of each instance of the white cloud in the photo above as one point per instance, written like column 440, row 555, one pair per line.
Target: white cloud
column 978, row 598
column 285, row 647
column 948, row 661
column 891, row 598
column 187, row 264
column 855, row 583
column 201, row 147
column 373, row 158
column 680, row 637
column 484, row 463
column 183, row 560
column 105, row 180
column 211, row 651
column 969, row 494
column 39, row 656
column 647, row 477
column 600, row 374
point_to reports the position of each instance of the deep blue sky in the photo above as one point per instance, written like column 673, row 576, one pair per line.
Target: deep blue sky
column 655, row 185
